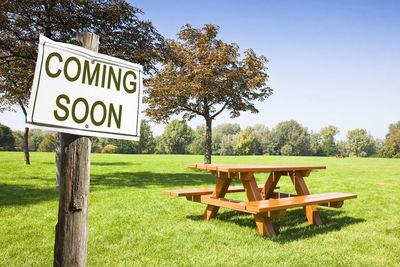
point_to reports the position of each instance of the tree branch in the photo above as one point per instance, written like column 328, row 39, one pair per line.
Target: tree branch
column 219, row 112
column 22, row 107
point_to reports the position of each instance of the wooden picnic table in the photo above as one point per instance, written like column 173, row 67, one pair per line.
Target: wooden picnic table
column 263, row 202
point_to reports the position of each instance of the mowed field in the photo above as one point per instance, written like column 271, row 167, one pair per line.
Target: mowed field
column 132, row 223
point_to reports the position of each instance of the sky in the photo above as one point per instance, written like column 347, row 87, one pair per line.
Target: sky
column 330, row 62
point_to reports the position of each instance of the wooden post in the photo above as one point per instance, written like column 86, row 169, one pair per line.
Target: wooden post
column 74, row 165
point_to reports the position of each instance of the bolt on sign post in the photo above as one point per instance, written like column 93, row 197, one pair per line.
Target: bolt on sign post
column 81, row 93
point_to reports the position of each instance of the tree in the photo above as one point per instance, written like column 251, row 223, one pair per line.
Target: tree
column 246, row 144
column 122, row 34
column 289, row 138
column 224, row 138
column 146, row 144
column 109, row 149
column 359, row 143
column 228, row 143
column 98, row 143
column 203, row 76
column 177, row 136
column 262, row 135
column 7, row 140
column 122, row 146
column 391, row 148
column 392, row 145
column 19, row 140
column 48, row 144
column 198, row 144
column 328, row 140
column 160, row 147
column 323, row 143
column 36, row 137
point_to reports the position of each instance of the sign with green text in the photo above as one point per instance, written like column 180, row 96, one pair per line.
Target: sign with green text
column 82, row 92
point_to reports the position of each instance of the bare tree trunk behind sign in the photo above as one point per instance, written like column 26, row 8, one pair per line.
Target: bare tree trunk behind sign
column 74, row 166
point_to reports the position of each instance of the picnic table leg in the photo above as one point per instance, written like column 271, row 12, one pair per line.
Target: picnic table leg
column 263, row 222
column 270, row 185
column 220, row 190
column 301, row 189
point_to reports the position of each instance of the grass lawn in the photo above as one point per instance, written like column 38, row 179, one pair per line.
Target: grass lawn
column 132, row 223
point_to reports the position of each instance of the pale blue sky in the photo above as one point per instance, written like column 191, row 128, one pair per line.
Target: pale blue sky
column 331, row 62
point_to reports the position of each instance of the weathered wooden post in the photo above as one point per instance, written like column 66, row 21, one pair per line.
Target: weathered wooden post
column 74, row 165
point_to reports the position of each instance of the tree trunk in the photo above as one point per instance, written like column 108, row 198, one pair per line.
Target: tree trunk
column 74, row 165
column 208, row 150
column 26, row 147
column 58, row 152
column 26, row 136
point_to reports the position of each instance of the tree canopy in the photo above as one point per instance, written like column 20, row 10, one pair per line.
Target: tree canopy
column 177, row 136
column 7, row 140
column 289, row 138
column 203, row 76
column 359, row 143
column 392, row 141
column 122, row 34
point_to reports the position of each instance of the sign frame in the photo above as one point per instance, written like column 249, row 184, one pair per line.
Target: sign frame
column 32, row 118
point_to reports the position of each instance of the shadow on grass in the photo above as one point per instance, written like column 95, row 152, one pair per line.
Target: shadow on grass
column 294, row 225
column 19, row 195
column 145, row 179
column 22, row 194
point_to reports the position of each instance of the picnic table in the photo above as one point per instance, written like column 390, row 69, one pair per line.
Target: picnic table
column 263, row 201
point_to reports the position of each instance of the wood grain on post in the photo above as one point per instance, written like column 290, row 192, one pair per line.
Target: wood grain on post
column 74, row 168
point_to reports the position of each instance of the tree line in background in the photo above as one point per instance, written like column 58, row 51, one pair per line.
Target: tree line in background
column 288, row 138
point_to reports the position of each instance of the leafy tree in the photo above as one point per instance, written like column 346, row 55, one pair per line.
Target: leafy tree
column 316, row 144
column 329, row 146
column 177, row 136
column 48, row 144
column 97, row 144
column 227, row 132
column 36, row 137
column 289, row 138
column 286, row 150
column 110, row 149
column 198, row 144
column 7, row 140
column 262, row 135
column 394, row 127
column 392, row 141
column 228, row 143
column 122, row 146
column 122, row 34
column 159, row 147
column 359, row 143
column 203, row 76
column 392, row 144
column 246, row 144
column 146, row 144
column 380, row 147
column 342, row 147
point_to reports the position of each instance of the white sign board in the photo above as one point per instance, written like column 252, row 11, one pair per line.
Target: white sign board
column 82, row 92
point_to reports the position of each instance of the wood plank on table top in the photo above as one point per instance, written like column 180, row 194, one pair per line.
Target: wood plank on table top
column 298, row 201
column 252, row 168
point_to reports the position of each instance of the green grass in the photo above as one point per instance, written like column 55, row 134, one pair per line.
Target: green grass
column 132, row 223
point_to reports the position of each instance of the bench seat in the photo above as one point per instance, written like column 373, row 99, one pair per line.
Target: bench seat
column 263, row 206
column 204, row 191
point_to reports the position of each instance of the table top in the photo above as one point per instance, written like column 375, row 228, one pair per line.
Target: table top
column 251, row 168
